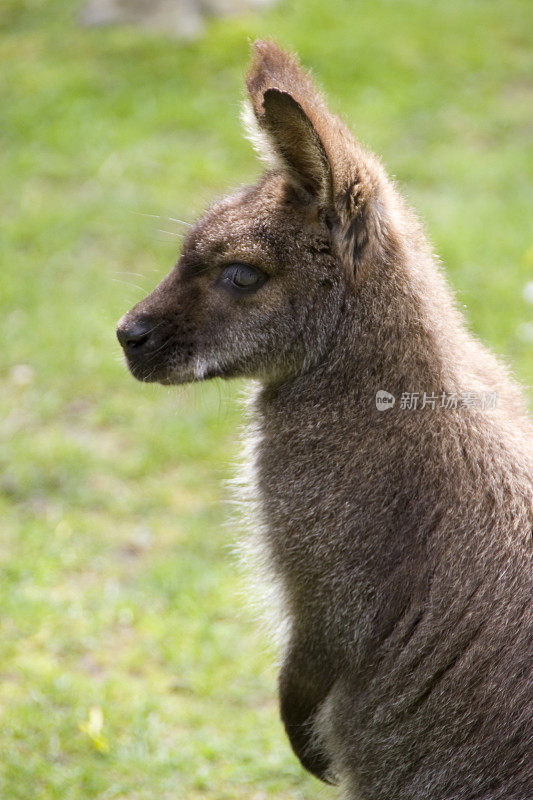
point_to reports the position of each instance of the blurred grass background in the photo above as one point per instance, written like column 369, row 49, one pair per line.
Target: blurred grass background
column 129, row 658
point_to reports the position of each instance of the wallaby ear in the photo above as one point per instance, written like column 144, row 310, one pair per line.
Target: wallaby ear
column 297, row 145
column 281, row 127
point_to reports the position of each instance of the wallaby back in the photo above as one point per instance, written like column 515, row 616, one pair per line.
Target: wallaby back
column 399, row 539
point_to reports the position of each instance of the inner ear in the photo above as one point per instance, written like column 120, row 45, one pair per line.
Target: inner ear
column 297, row 145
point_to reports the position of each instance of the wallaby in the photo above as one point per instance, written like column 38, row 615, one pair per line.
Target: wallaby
column 393, row 501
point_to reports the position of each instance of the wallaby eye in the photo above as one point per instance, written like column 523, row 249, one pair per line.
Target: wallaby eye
column 243, row 277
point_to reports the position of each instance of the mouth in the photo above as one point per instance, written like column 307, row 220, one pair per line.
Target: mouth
column 171, row 375
column 148, row 350
column 144, row 372
column 159, row 356
column 147, row 371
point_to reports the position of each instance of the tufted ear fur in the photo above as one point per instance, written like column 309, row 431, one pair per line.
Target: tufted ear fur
column 292, row 128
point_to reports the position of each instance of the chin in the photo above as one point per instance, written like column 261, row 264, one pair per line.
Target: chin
column 196, row 372
column 146, row 373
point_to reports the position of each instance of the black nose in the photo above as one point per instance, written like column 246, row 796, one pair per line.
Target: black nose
column 134, row 335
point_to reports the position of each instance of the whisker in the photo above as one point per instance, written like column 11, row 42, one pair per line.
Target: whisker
column 140, row 214
column 170, row 233
column 131, row 285
column 154, row 327
column 204, row 269
column 161, row 347
column 181, row 221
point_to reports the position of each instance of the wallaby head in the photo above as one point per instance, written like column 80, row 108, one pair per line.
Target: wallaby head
column 260, row 287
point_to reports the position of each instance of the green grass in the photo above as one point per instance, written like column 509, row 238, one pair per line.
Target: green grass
column 119, row 591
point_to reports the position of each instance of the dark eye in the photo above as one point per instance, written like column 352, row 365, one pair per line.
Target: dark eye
column 243, row 277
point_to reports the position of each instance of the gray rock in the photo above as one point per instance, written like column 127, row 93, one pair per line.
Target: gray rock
column 181, row 18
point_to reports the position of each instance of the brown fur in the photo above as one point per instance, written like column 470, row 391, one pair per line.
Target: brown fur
column 400, row 540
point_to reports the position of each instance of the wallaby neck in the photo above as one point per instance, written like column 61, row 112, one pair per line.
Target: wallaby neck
column 384, row 340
